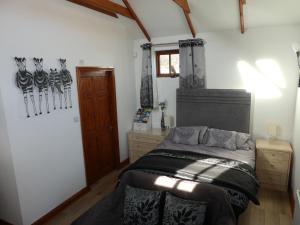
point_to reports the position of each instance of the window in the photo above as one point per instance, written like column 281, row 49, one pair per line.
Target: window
column 167, row 63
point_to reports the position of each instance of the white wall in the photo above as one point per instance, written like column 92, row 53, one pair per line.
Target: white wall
column 47, row 150
column 232, row 59
column 9, row 201
column 296, row 167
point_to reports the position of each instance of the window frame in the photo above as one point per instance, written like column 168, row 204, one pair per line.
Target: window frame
column 165, row 52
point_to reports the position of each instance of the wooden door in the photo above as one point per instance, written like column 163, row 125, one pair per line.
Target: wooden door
column 98, row 113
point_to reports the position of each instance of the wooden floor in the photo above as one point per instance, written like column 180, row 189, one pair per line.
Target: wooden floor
column 274, row 208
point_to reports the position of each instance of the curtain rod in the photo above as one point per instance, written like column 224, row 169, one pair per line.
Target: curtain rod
column 165, row 44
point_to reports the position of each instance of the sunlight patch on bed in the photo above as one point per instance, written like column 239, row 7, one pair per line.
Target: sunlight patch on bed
column 164, row 181
column 266, row 81
column 187, row 186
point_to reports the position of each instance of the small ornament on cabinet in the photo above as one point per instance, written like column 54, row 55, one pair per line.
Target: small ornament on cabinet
column 163, row 106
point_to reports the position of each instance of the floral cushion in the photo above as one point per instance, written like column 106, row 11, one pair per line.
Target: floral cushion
column 178, row 211
column 141, row 206
column 188, row 135
column 222, row 138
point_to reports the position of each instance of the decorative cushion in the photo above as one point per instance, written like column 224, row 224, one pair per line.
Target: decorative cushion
column 141, row 206
column 170, row 134
column 244, row 142
column 178, row 211
column 188, row 135
column 222, row 138
column 203, row 134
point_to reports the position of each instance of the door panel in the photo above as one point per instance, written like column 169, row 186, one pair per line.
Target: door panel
column 88, row 114
column 101, row 85
column 102, row 113
column 107, row 151
column 91, row 143
column 96, row 90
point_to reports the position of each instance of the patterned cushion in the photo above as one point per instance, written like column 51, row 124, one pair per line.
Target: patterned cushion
column 141, row 206
column 244, row 142
column 221, row 138
column 188, row 135
column 179, row 211
column 203, row 134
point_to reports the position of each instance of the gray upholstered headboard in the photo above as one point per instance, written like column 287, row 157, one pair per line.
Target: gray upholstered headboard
column 216, row 108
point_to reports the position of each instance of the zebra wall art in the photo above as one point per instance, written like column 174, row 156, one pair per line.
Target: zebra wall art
column 55, row 83
column 41, row 81
column 67, row 81
column 24, row 81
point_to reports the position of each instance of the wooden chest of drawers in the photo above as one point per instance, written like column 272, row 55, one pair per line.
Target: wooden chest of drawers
column 142, row 142
column 273, row 162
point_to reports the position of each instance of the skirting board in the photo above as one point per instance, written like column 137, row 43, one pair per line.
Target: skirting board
column 123, row 164
column 62, row 206
column 292, row 200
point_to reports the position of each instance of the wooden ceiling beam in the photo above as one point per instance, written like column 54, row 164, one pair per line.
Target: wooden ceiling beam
column 242, row 19
column 186, row 10
column 138, row 21
column 189, row 21
column 106, row 6
column 184, row 5
column 94, row 7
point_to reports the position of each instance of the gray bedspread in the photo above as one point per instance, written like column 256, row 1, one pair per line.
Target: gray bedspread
column 245, row 156
column 109, row 211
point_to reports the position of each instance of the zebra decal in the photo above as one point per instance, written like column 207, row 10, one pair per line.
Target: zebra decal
column 55, row 83
column 41, row 81
column 67, row 81
column 24, row 81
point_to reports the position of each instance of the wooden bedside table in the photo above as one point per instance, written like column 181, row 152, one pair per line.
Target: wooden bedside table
column 273, row 162
column 142, row 142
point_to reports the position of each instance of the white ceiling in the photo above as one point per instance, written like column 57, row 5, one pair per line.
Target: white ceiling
column 165, row 18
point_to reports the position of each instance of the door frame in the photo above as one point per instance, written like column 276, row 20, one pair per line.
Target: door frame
column 113, row 106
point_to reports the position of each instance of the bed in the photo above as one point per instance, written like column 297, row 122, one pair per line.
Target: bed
column 224, row 179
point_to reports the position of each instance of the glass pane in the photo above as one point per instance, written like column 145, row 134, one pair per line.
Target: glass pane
column 164, row 64
column 175, row 64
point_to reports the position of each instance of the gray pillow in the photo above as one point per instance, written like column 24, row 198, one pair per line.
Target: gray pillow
column 244, row 142
column 203, row 134
column 222, row 138
column 179, row 211
column 188, row 135
column 141, row 206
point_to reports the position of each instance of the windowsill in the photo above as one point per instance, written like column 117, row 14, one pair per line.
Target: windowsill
column 166, row 76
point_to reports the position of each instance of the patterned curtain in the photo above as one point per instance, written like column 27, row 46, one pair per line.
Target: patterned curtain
column 146, row 95
column 192, row 64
